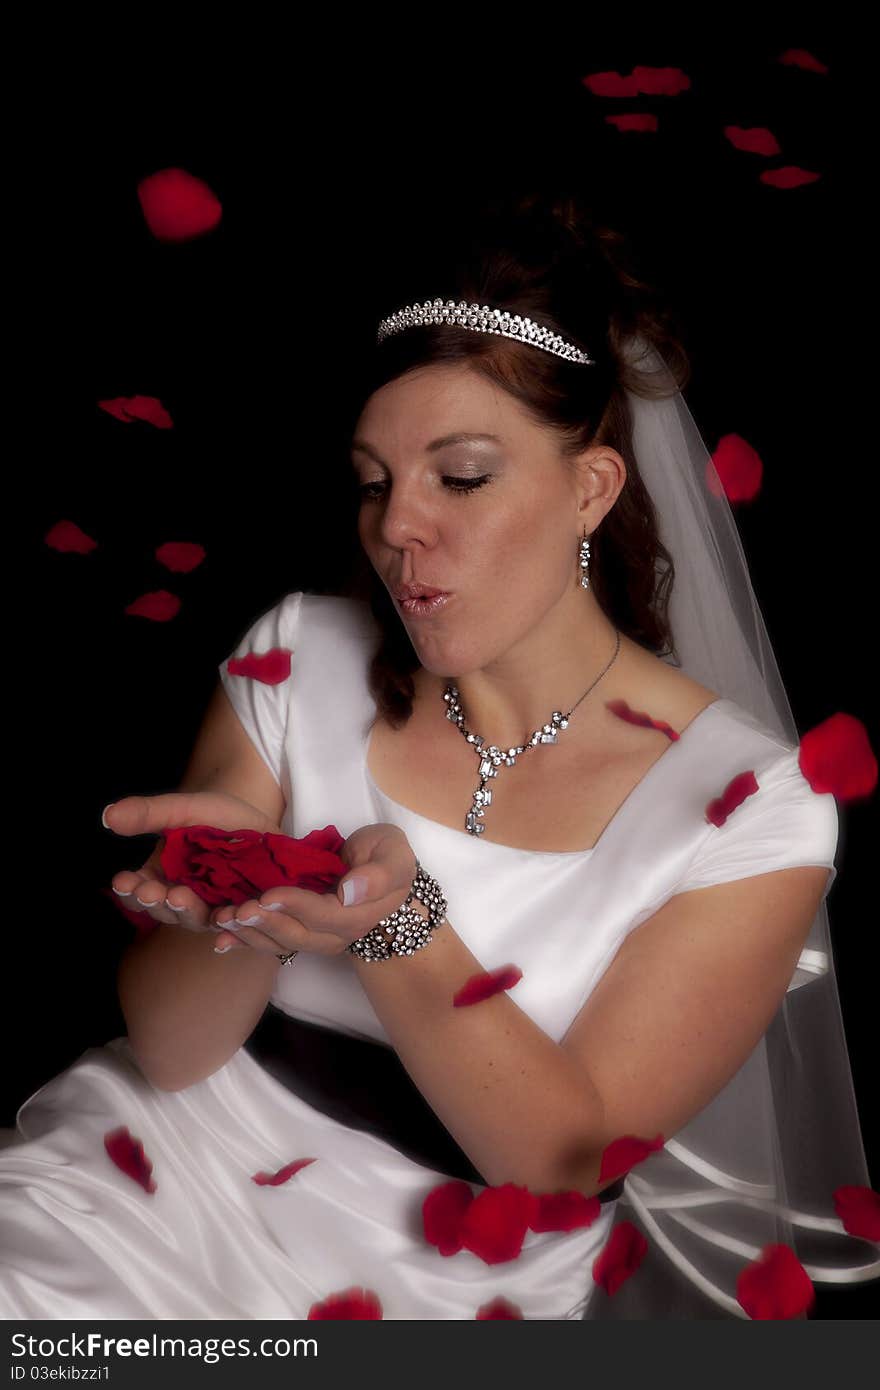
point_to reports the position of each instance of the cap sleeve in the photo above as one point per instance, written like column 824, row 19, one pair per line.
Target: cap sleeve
column 262, row 699
column 783, row 825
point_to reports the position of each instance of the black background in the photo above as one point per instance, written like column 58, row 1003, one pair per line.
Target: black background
column 245, row 334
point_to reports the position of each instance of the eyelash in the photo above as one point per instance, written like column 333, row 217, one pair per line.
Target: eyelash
column 463, row 485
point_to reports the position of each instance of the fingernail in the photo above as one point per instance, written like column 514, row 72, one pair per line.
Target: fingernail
column 174, row 906
column 221, row 950
column 354, row 890
column 119, row 893
column 104, row 812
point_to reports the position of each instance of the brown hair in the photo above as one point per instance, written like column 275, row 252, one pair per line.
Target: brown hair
column 548, row 258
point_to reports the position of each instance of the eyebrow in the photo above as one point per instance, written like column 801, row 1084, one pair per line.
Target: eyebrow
column 445, row 440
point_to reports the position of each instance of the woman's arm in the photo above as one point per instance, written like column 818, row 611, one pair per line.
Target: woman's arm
column 521, row 1107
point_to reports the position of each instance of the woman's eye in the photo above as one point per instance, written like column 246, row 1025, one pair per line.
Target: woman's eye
column 455, row 485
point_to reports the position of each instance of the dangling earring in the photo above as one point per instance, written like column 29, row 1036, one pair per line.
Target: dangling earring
column 584, row 561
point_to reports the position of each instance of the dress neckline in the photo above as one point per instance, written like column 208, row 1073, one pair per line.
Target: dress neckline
column 535, row 853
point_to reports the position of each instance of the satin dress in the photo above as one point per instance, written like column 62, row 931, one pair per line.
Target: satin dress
column 79, row 1238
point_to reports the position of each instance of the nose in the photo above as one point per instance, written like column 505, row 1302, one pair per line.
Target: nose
column 406, row 517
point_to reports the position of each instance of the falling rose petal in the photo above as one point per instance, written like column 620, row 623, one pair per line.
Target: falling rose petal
column 128, row 1155
column 495, row 1224
column 661, row 82
column 634, row 120
column 442, row 1213
column 270, row 667
column 564, row 1211
column 802, row 58
column 789, row 176
column 836, row 756
column 180, row 556
column 735, row 469
column 623, row 1253
column 177, row 206
column 131, row 408
column 859, row 1211
column 354, row 1304
column 743, row 785
column 276, row 1179
column 755, row 139
column 610, row 84
column 159, row 606
column 632, row 716
column 624, row 1153
column 499, row 1308
column 67, row 537
column 642, row 79
column 775, row 1286
column 485, row 984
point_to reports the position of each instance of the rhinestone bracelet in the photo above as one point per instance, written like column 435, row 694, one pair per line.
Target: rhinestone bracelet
column 405, row 930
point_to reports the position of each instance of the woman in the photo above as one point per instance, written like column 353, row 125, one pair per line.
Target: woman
column 522, row 750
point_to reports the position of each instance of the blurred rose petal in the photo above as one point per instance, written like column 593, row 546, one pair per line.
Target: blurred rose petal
column 484, row 985
column 128, row 1155
column 354, row 1304
column 177, row 206
column 775, row 1286
column 859, row 1211
column 836, row 756
column 789, row 176
column 67, row 537
column 270, row 667
column 634, row 120
column 739, row 469
column 754, row 139
column 282, row 1175
column 130, row 408
column 499, row 1308
column 442, row 1213
column 159, row 606
column 624, row 1153
column 180, row 556
column 734, row 794
column 802, row 58
column 621, row 1257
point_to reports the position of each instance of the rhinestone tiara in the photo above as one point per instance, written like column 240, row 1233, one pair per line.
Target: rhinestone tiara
column 482, row 319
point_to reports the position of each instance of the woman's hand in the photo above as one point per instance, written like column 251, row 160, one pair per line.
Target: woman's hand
column 151, row 815
column 318, row 922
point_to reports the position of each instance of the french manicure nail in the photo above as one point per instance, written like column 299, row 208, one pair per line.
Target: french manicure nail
column 103, row 814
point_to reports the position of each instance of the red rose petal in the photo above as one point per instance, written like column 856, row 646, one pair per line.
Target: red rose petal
column 624, row 1153
column 354, row 1304
column 802, row 58
column 631, row 716
column 495, row 1224
column 442, row 1213
column 128, row 1155
column 564, row 1211
column 485, row 984
column 180, row 556
column 790, row 176
column 130, row 408
column 623, row 1253
column 634, row 120
column 735, row 468
column 836, row 756
column 738, row 788
column 159, row 606
column 859, row 1211
column 230, row 866
column 499, row 1308
column 67, row 537
column 177, row 206
column 282, row 1175
column 775, row 1286
column 648, row 80
column 754, row 139
column 270, row 667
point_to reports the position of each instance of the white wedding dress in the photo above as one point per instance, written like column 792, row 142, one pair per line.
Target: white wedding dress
column 81, row 1239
